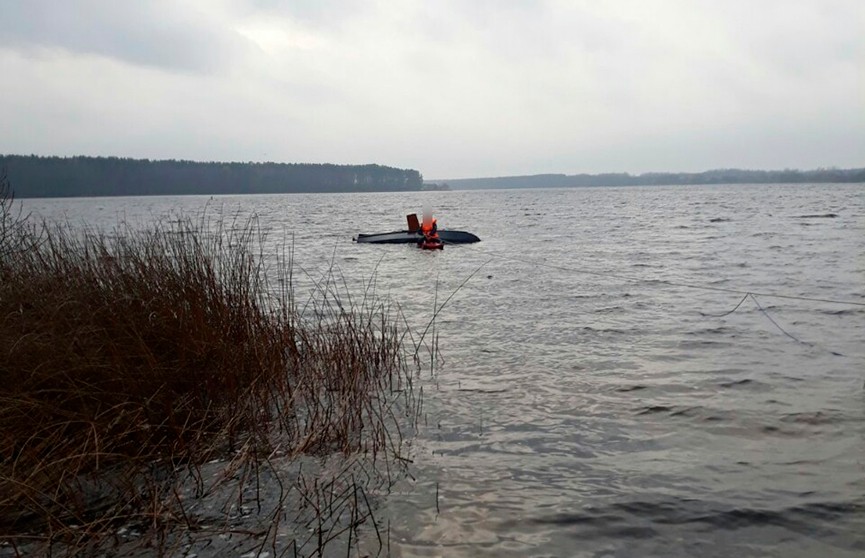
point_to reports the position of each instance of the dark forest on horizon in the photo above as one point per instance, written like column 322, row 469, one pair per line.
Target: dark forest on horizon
column 34, row 176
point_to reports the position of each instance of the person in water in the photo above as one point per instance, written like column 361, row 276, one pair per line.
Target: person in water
column 429, row 228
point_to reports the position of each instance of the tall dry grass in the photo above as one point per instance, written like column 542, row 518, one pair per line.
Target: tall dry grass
column 126, row 358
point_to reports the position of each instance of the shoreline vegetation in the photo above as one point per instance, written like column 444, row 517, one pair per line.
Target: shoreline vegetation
column 56, row 177
column 159, row 393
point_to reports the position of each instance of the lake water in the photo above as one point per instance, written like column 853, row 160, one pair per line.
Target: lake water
column 591, row 398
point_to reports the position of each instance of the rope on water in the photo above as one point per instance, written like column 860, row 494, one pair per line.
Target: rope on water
column 765, row 313
column 768, row 317
column 436, row 311
column 744, row 298
column 634, row 279
column 746, row 293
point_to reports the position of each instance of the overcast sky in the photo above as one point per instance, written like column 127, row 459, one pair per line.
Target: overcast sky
column 452, row 88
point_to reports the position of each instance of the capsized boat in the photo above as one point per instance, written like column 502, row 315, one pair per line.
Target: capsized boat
column 409, row 237
column 414, row 235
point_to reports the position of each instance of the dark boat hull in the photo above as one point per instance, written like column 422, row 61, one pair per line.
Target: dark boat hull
column 408, row 237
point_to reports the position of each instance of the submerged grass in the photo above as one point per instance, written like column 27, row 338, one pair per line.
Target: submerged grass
column 129, row 360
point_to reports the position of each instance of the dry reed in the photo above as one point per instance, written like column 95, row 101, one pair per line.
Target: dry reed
column 128, row 360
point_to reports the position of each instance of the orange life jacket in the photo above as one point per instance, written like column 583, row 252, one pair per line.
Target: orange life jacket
column 428, row 228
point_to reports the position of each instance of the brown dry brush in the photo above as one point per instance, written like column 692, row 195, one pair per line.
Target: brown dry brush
column 125, row 358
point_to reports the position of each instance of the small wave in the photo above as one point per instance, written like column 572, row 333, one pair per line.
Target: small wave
column 842, row 312
column 719, row 220
column 702, row 413
column 695, row 344
column 608, row 310
column 479, row 390
column 625, row 389
column 720, row 330
column 815, row 418
column 818, row 216
column 611, row 330
column 654, row 409
column 736, row 383
column 621, row 516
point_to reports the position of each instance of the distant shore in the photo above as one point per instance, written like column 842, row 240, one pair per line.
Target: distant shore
column 33, row 176
column 719, row 176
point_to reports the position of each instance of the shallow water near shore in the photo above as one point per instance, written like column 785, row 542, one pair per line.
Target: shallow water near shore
column 593, row 395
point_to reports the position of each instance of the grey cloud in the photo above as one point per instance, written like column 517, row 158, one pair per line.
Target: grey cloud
column 313, row 12
column 157, row 34
column 451, row 87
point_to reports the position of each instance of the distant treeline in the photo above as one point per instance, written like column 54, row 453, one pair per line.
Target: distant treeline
column 720, row 176
column 34, row 176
